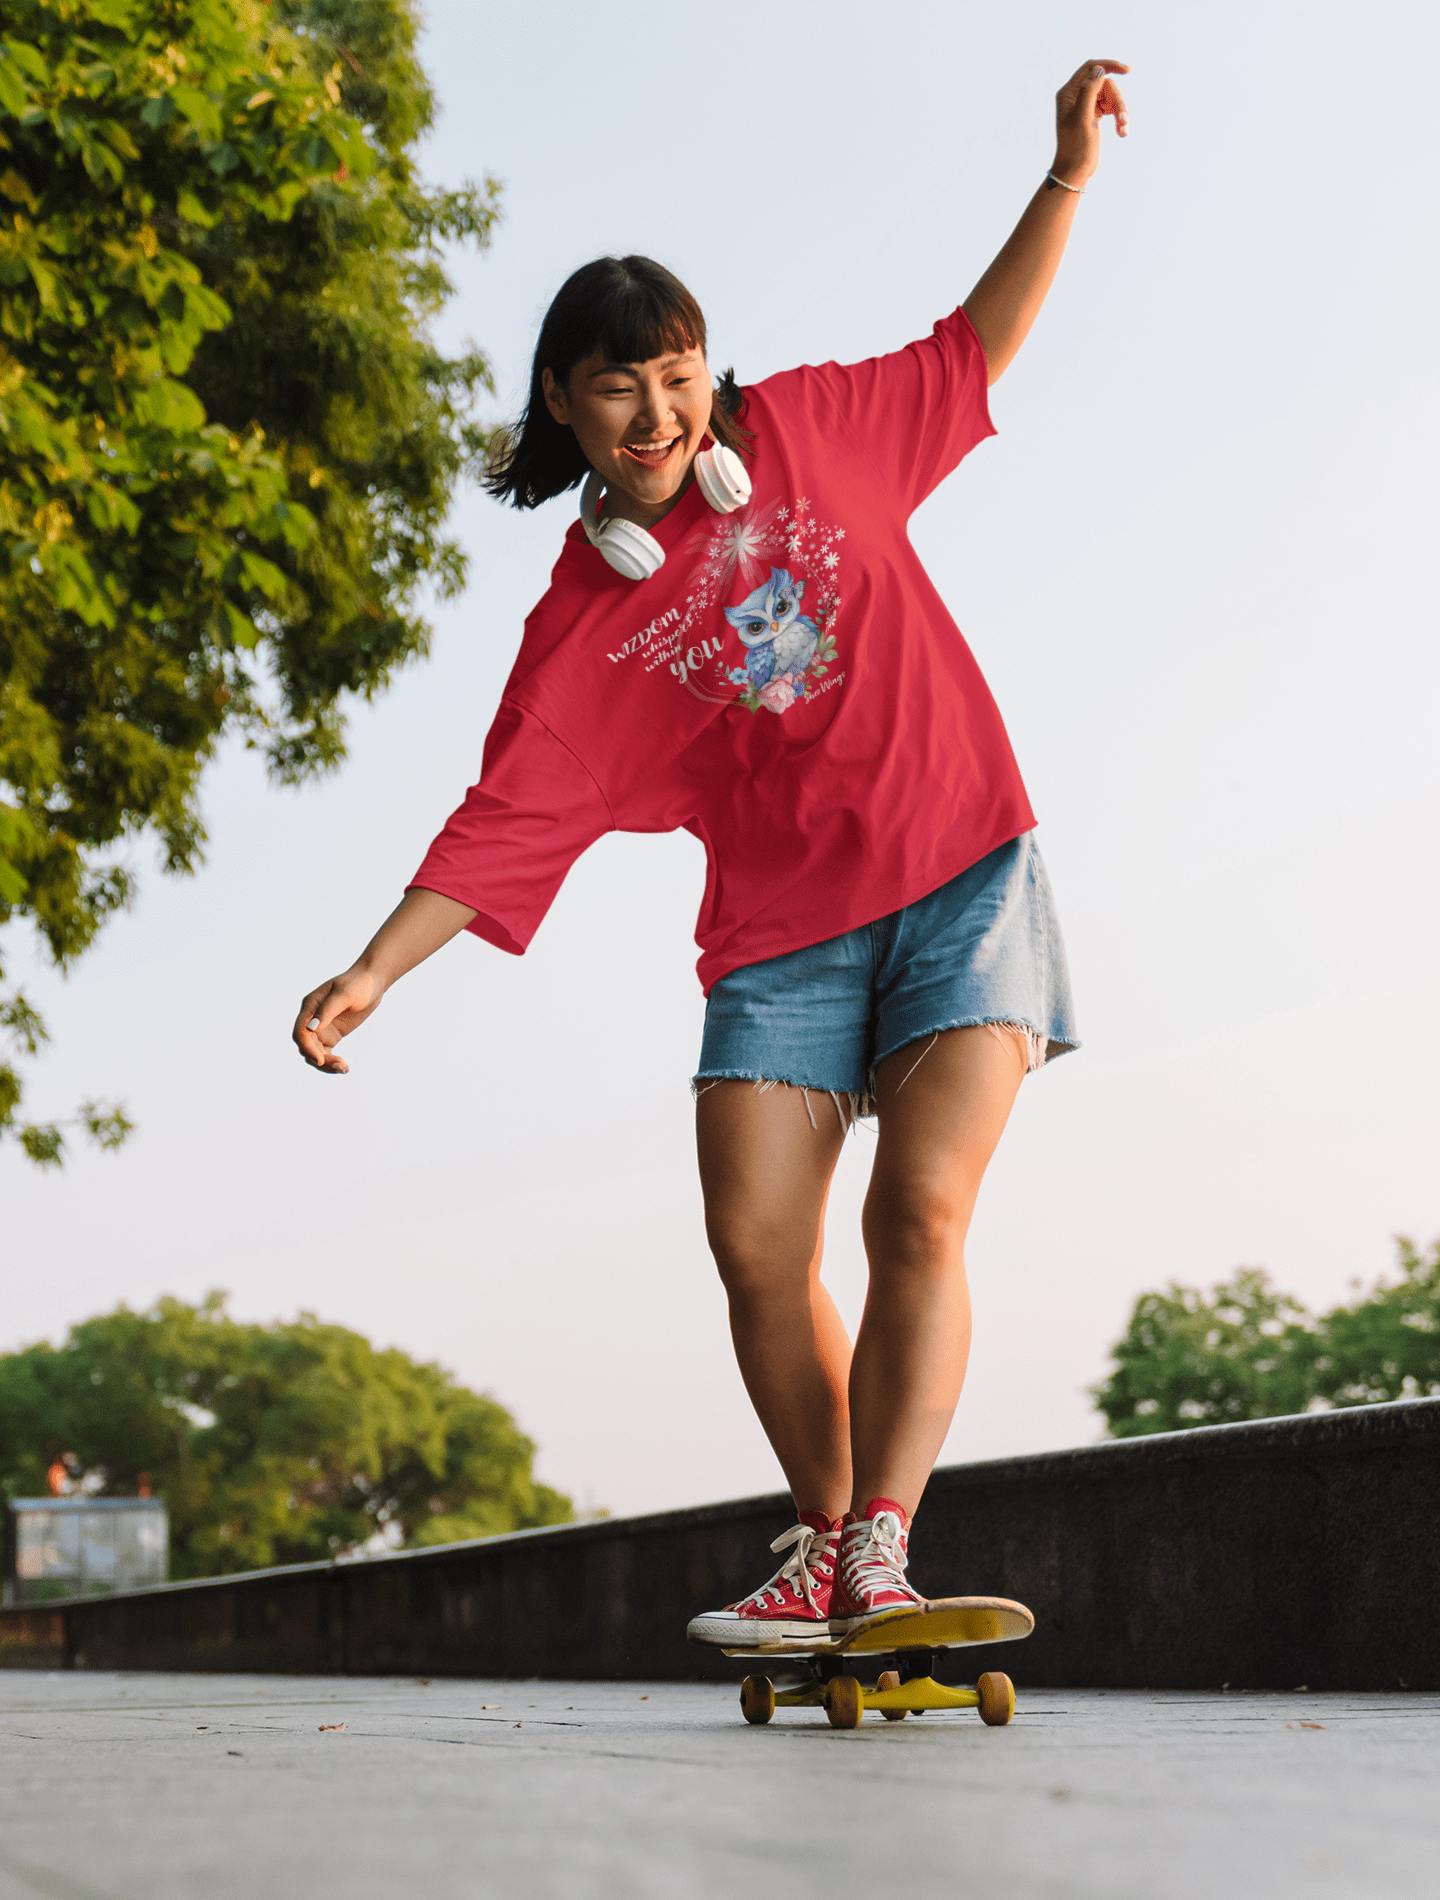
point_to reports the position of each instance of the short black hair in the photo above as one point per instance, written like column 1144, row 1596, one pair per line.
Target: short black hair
column 632, row 309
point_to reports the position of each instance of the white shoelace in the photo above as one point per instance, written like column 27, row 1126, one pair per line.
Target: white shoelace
column 878, row 1560
column 796, row 1568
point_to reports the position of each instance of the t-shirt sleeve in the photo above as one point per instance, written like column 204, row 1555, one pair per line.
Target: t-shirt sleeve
column 917, row 412
column 506, row 851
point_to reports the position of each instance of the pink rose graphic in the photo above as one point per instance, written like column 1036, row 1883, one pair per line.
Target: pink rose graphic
column 779, row 695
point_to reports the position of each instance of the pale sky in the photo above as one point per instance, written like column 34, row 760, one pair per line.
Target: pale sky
column 1197, row 567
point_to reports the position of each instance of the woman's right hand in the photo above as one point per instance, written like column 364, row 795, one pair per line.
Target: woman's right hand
column 414, row 930
column 333, row 1011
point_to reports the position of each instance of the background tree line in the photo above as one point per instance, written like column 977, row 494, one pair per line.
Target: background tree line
column 1246, row 1350
column 269, row 1444
column 227, row 441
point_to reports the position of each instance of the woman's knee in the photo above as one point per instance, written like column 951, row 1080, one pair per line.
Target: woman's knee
column 917, row 1227
column 756, row 1257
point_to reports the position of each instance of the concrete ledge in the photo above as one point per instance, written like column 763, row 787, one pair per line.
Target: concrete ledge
column 1268, row 1555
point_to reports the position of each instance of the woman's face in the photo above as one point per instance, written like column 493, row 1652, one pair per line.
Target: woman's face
column 639, row 425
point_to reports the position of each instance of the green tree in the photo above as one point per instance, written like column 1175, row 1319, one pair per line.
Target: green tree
column 1243, row 1351
column 1247, row 1351
column 1386, row 1343
column 270, row 1444
column 227, row 442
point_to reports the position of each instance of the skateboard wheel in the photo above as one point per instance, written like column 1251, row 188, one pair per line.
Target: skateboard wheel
column 844, row 1703
column 997, row 1698
column 891, row 1680
column 757, row 1699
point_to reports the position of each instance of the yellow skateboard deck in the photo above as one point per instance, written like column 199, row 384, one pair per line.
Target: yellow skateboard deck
column 943, row 1623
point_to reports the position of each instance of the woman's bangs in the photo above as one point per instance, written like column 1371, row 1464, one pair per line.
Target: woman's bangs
column 640, row 322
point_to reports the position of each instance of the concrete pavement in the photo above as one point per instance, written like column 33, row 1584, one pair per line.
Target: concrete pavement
column 186, row 1787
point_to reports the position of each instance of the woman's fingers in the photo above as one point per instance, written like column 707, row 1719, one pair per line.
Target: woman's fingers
column 303, row 1034
column 316, row 1031
column 1086, row 86
column 1094, row 70
column 1109, row 100
column 330, row 1026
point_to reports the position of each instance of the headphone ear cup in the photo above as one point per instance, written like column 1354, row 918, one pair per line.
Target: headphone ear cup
column 724, row 479
column 630, row 551
column 624, row 544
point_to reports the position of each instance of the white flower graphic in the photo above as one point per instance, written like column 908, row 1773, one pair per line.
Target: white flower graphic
column 749, row 542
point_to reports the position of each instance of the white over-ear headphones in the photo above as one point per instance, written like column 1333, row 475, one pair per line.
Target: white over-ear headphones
column 724, row 482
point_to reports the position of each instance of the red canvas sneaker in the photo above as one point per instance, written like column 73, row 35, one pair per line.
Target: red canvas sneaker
column 870, row 1574
column 794, row 1605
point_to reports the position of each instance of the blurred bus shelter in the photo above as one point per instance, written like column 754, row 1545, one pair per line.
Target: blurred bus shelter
column 80, row 1546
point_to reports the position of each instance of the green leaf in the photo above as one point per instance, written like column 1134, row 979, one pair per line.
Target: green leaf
column 108, row 508
column 115, row 135
column 319, row 154
column 14, row 94
column 18, row 191
column 45, row 280
column 23, row 1023
column 261, row 574
column 297, row 524
column 170, row 405
column 224, row 159
column 107, row 1125
column 27, row 58
column 158, row 111
column 44, row 1144
column 116, row 13
column 196, row 109
column 242, row 630
column 204, row 307
column 348, row 146
column 99, row 161
column 73, row 581
column 193, row 211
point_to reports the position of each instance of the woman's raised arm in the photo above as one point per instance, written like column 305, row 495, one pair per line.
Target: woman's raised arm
column 420, row 923
column 1007, row 299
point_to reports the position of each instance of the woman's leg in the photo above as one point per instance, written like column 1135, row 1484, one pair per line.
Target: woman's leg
column 941, row 1110
column 765, row 1172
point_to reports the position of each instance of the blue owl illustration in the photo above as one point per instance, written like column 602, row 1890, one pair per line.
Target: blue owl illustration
column 778, row 637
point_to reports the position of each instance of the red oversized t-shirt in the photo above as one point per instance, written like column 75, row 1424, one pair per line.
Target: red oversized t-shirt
column 789, row 686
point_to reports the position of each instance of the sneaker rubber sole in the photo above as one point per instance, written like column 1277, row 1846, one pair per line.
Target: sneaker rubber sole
column 744, row 1632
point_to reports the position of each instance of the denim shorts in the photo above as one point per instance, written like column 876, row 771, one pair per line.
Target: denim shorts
column 983, row 949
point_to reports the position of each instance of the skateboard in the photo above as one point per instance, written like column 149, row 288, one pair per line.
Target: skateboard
column 911, row 1636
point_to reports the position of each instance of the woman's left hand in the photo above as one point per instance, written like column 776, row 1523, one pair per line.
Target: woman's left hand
column 1080, row 105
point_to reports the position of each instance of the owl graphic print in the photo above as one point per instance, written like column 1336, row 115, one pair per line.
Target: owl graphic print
column 785, row 651
column 789, row 687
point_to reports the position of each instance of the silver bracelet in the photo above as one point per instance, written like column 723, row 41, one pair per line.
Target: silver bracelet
column 1079, row 190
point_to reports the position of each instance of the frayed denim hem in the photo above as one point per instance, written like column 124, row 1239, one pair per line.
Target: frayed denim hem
column 857, row 1104
column 1039, row 1048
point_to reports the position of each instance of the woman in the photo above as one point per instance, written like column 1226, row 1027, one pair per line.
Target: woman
column 743, row 643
